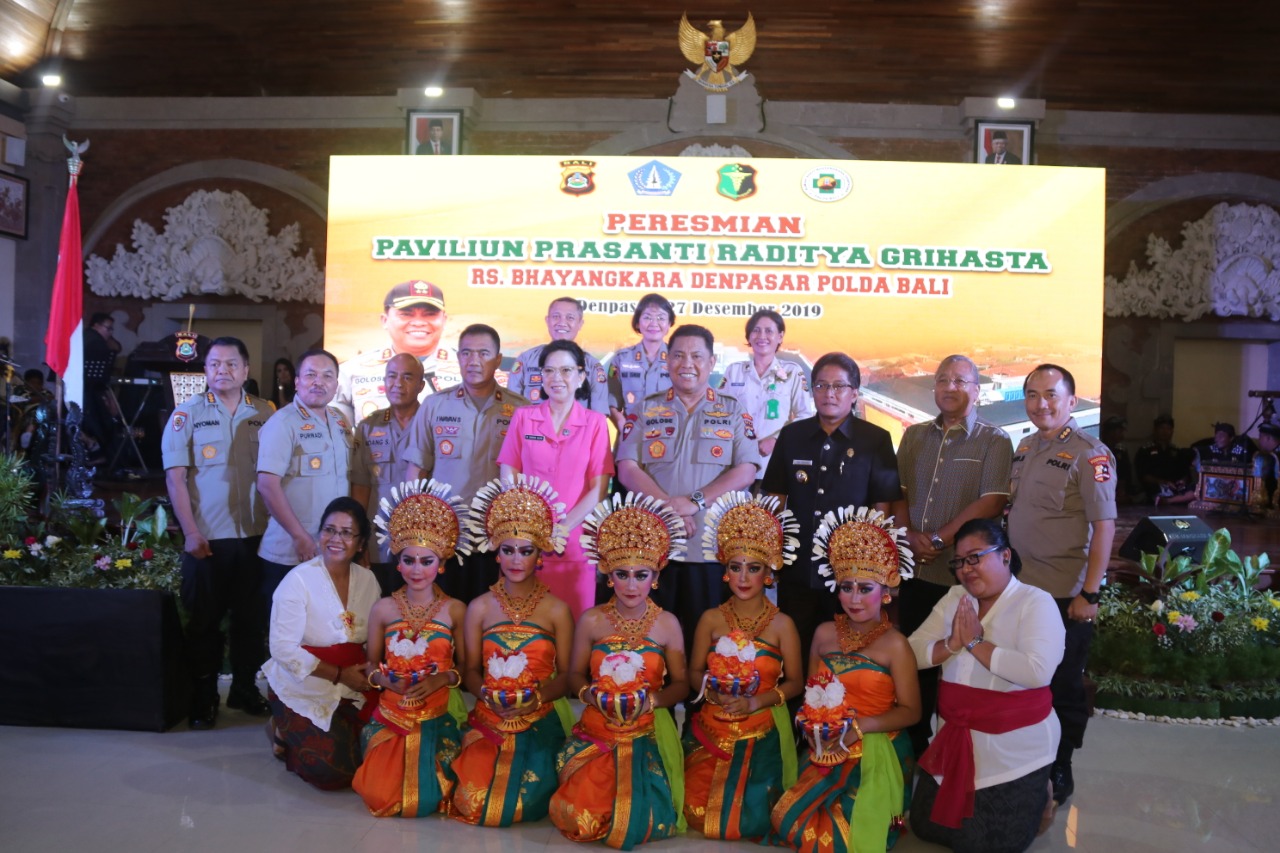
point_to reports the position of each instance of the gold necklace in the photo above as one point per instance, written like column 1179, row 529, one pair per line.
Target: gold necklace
column 853, row 640
column 518, row 610
column 416, row 616
column 632, row 630
column 751, row 626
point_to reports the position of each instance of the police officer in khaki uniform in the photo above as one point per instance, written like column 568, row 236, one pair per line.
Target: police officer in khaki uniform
column 413, row 317
column 209, row 452
column 455, row 438
column 379, row 463
column 564, row 321
column 1062, row 520
column 639, row 370
column 689, row 445
column 304, row 460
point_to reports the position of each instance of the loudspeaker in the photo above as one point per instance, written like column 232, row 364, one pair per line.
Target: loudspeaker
column 1181, row 534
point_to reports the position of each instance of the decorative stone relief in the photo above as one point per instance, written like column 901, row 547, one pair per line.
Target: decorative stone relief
column 716, row 150
column 214, row 243
column 1228, row 265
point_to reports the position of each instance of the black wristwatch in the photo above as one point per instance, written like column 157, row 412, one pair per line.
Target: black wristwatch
column 1091, row 597
column 936, row 541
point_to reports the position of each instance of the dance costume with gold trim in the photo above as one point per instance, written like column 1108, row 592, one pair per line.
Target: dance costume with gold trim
column 507, row 768
column 814, row 815
column 408, row 751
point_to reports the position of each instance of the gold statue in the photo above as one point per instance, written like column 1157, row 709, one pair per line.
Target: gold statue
column 715, row 54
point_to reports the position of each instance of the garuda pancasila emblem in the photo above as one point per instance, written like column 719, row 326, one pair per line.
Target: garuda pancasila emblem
column 716, row 54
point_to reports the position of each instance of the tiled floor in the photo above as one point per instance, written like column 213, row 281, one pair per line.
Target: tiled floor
column 1139, row 787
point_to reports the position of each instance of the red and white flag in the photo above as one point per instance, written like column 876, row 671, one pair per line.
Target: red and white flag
column 67, row 305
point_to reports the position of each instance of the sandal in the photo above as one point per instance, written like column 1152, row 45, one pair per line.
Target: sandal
column 278, row 746
column 1050, row 812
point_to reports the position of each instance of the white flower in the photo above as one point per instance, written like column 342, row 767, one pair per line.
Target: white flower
column 51, row 540
column 622, row 667
column 831, row 696
column 508, row 667
column 1157, row 606
column 781, row 374
column 406, row 649
column 726, row 647
column 35, row 548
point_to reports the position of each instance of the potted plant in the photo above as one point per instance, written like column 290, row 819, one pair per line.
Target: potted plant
column 88, row 616
column 1191, row 639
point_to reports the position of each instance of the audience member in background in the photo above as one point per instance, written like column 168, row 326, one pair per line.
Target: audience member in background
column 985, row 786
column 378, row 462
column 774, row 392
column 564, row 321
column 100, row 351
column 1266, row 468
column 1062, row 520
column 1163, row 469
column 282, row 385
column 318, row 670
column 1225, row 447
column 210, row 471
column 566, row 444
column 1112, row 435
column 639, row 370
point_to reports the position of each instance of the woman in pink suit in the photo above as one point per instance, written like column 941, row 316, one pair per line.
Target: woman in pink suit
column 566, row 444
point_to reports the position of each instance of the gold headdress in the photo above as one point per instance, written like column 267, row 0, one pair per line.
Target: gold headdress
column 738, row 523
column 422, row 513
column 637, row 530
column 523, row 508
column 860, row 543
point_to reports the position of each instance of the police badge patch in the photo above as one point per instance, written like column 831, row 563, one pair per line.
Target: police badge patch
column 577, row 177
column 1101, row 468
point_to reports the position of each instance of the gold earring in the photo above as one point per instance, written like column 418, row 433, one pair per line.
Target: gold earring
column 768, row 581
column 725, row 577
column 609, row 583
column 886, row 598
column 655, row 583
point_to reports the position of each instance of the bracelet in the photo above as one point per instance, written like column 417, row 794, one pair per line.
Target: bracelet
column 782, row 697
column 853, row 724
column 337, row 675
column 455, row 672
column 969, row 646
column 947, row 646
column 369, row 678
column 580, row 689
column 537, row 694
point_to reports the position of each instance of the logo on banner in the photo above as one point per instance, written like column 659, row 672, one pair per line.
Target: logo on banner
column 737, row 181
column 654, row 179
column 577, row 177
column 826, row 184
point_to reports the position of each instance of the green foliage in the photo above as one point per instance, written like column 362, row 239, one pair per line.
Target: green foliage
column 17, row 493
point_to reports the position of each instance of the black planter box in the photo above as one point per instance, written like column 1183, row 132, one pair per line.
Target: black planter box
column 91, row 658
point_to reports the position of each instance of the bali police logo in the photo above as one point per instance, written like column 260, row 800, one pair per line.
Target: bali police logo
column 577, row 177
column 654, row 179
column 826, row 184
column 736, row 181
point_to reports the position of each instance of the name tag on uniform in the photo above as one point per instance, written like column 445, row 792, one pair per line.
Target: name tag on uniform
column 801, row 461
column 535, row 438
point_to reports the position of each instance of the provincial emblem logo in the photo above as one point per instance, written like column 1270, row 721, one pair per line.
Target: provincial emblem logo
column 737, row 181
column 577, row 177
column 654, row 179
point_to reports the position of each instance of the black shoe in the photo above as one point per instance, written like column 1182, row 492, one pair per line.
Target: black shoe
column 249, row 701
column 1063, row 783
column 203, row 714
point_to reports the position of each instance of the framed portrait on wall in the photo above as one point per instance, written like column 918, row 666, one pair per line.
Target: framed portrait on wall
column 13, row 206
column 1004, row 143
column 434, row 132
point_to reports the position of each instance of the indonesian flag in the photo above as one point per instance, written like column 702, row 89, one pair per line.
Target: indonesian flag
column 67, row 306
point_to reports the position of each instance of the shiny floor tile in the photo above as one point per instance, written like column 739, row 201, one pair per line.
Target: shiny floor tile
column 1139, row 787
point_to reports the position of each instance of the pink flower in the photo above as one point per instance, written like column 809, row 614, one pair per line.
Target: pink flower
column 103, row 563
column 30, row 540
column 147, row 553
column 1160, row 629
column 1186, row 623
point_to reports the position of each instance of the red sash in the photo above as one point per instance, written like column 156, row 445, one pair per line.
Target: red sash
column 348, row 654
column 966, row 709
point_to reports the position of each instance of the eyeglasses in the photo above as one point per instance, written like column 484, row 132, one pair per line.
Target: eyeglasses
column 838, row 387
column 334, row 533
column 972, row 560
column 562, row 372
column 952, row 382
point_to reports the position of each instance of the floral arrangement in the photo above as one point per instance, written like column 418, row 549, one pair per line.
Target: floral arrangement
column 508, row 681
column 75, row 547
column 824, row 716
column 1190, row 632
column 407, row 657
column 619, row 691
column 731, row 667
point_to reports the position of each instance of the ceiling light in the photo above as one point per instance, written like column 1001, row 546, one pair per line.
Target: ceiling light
column 1006, row 103
column 51, row 79
column 433, row 91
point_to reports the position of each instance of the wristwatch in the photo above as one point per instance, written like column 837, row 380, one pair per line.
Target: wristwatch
column 936, row 541
column 1091, row 597
column 699, row 498
column 969, row 646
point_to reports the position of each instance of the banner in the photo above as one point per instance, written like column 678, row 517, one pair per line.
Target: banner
column 896, row 264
